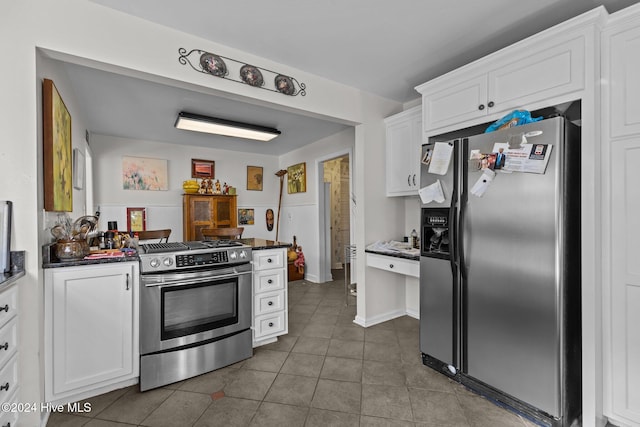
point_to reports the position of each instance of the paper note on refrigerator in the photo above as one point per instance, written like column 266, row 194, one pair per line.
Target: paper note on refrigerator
column 483, row 183
column 432, row 193
column 440, row 158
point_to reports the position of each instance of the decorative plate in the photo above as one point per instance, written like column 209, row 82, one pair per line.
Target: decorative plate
column 251, row 75
column 284, row 85
column 213, row 64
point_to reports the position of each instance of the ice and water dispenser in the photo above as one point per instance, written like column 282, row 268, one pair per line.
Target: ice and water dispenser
column 435, row 233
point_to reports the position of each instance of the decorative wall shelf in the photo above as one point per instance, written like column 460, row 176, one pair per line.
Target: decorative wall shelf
column 230, row 69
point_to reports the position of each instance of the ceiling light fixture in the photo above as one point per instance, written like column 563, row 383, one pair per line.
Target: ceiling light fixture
column 198, row 123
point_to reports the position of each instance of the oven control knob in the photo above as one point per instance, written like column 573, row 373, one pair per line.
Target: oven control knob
column 233, row 255
column 168, row 262
column 243, row 254
column 155, row 263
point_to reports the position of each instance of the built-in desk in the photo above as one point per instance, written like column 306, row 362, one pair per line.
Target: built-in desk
column 394, row 262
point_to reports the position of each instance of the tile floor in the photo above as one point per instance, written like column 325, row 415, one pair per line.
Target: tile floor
column 327, row 371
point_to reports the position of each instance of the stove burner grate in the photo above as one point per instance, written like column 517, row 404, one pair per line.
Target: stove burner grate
column 154, row 248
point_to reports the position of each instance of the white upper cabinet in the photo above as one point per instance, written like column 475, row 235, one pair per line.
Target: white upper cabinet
column 403, row 148
column 623, row 48
column 546, row 66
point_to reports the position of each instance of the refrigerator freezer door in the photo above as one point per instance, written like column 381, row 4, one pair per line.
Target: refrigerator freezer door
column 446, row 180
column 437, row 333
column 511, row 273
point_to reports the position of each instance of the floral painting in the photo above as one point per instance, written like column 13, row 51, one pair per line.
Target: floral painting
column 297, row 178
column 140, row 173
column 57, row 151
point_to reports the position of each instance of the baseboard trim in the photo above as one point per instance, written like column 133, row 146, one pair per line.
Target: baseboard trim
column 374, row 320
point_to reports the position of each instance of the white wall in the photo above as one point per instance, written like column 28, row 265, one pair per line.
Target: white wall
column 164, row 208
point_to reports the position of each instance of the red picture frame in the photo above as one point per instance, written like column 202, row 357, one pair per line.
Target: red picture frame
column 136, row 219
column 203, row 168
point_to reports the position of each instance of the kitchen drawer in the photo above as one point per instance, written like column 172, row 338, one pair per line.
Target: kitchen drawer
column 269, row 302
column 265, row 260
column 8, row 341
column 268, row 280
column 10, row 419
column 395, row 265
column 8, row 379
column 8, row 304
column 270, row 324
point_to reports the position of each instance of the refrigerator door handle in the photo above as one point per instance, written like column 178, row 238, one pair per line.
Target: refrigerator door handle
column 463, row 210
column 453, row 229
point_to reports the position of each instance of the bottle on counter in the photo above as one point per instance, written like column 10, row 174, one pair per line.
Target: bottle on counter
column 414, row 239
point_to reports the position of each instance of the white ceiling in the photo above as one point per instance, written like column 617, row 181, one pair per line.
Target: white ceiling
column 379, row 46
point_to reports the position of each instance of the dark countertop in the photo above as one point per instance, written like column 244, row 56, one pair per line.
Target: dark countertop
column 395, row 255
column 17, row 270
column 75, row 263
column 261, row 244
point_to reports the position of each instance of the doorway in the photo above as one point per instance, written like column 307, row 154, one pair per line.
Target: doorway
column 336, row 213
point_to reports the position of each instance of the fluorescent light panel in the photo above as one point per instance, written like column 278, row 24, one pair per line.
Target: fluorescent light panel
column 198, row 123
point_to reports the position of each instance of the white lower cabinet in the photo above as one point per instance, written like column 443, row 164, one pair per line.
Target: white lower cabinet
column 91, row 329
column 270, row 318
column 9, row 353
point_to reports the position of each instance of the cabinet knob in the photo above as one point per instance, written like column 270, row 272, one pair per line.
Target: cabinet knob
column 270, row 324
column 390, row 265
column 269, row 260
column 269, row 281
column 4, row 346
column 270, row 303
column 481, row 107
column 491, row 104
column 5, row 387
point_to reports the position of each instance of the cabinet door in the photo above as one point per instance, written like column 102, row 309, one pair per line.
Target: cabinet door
column 91, row 310
column 553, row 69
column 625, row 279
column 225, row 212
column 625, row 82
column 403, row 147
column 460, row 99
column 200, row 215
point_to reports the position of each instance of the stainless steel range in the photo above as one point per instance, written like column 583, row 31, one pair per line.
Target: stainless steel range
column 195, row 309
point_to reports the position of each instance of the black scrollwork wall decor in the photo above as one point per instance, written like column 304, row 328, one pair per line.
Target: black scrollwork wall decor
column 230, row 69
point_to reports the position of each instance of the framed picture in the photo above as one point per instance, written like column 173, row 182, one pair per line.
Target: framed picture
column 56, row 127
column 78, row 169
column 254, row 178
column 246, row 217
column 203, row 168
column 297, row 178
column 136, row 219
column 139, row 173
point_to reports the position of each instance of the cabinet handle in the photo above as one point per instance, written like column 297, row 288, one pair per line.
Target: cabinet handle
column 5, row 387
column 127, row 281
column 481, row 107
column 491, row 104
column 269, row 281
column 414, row 179
column 5, row 308
column 270, row 324
column 390, row 265
column 270, row 303
column 409, row 179
column 5, row 346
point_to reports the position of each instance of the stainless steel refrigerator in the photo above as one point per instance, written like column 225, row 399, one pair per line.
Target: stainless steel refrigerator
column 500, row 266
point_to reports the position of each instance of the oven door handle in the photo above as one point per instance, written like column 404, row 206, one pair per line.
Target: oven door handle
column 175, row 279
